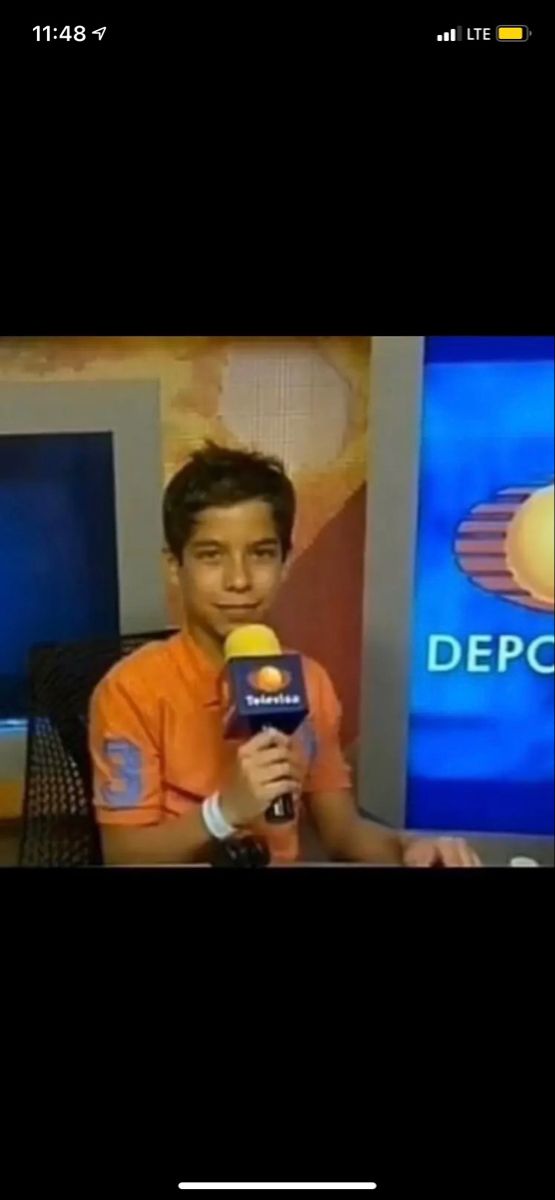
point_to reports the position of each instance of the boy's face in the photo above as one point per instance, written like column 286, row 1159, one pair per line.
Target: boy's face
column 232, row 567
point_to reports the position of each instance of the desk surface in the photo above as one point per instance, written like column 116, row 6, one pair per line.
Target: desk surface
column 495, row 850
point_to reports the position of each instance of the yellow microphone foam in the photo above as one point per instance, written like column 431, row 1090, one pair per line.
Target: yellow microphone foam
column 251, row 641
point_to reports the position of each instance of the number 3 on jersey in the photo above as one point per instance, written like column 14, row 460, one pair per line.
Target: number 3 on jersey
column 125, row 759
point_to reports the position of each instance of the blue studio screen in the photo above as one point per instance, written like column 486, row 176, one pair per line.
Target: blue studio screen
column 481, row 741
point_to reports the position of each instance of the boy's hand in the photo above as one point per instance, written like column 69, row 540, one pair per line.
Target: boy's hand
column 267, row 766
column 439, row 852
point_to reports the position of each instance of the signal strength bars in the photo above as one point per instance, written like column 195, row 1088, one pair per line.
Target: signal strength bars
column 452, row 35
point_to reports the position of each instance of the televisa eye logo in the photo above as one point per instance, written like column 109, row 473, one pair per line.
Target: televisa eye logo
column 269, row 680
column 507, row 546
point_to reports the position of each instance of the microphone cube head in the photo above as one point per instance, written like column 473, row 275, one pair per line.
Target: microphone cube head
column 266, row 691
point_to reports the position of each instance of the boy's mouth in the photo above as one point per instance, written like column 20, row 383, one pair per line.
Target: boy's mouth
column 236, row 608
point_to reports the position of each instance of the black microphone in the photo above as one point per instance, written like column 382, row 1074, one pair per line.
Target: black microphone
column 267, row 690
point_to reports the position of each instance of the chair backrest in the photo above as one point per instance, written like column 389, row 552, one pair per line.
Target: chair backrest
column 59, row 828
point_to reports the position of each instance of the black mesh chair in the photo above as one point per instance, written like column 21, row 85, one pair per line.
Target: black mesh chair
column 59, row 828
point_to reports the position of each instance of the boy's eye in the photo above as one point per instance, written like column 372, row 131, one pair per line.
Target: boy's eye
column 264, row 552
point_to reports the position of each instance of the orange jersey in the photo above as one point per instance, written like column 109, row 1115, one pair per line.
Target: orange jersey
column 158, row 747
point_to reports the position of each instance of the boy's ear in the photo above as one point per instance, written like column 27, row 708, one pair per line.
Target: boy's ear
column 286, row 565
column 172, row 565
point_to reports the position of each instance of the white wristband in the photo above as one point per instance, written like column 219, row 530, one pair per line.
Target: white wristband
column 214, row 819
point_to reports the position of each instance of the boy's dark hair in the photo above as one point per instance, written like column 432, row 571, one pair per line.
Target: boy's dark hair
column 219, row 477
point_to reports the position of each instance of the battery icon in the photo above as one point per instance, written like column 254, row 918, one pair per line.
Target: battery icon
column 512, row 33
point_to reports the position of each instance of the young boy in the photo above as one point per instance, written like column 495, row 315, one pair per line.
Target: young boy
column 167, row 783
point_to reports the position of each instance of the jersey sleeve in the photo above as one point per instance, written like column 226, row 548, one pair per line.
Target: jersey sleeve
column 328, row 771
column 125, row 755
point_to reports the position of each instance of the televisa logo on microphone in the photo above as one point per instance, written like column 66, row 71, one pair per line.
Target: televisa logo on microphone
column 269, row 684
column 259, row 690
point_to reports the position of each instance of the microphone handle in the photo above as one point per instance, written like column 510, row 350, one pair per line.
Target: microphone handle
column 281, row 811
